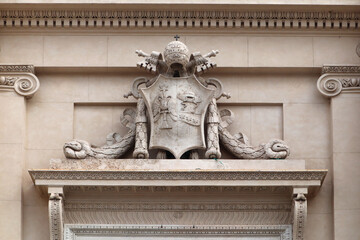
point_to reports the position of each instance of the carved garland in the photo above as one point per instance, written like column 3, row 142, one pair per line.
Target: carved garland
column 182, row 19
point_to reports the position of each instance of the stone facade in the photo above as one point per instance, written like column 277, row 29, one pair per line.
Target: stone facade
column 292, row 72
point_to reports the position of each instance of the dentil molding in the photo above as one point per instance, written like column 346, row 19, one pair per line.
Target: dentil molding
column 117, row 19
column 19, row 78
column 339, row 78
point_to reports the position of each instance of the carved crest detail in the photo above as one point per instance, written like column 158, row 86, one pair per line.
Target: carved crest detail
column 177, row 108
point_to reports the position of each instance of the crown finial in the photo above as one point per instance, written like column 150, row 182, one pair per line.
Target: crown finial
column 176, row 37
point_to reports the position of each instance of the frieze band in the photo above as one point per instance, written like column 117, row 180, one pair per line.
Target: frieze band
column 183, row 19
column 177, row 175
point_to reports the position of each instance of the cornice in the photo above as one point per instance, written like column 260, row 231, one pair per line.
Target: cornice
column 336, row 79
column 17, row 68
column 186, row 19
column 177, row 175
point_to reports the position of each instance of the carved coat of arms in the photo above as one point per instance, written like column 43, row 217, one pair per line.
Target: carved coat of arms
column 176, row 113
column 177, row 107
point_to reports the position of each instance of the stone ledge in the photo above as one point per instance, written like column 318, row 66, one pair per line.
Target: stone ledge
column 175, row 164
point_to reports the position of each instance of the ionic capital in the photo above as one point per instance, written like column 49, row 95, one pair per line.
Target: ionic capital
column 339, row 78
column 19, row 78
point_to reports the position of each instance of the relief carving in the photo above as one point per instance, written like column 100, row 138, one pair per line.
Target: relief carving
column 56, row 216
column 337, row 79
column 181, row 110
column 19, row 78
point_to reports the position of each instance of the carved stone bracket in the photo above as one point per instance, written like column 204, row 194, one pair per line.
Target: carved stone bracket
column 56, row 213
column 337, row 79
column 299, row 213
column 19, row 78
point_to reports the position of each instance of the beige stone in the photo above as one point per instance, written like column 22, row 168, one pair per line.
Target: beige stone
column 22, row 49
column 280, row 52
column 10, row 220
column 319, row 226
column 57, row 121
column 93, row 123
column 346, row 169
column 323, row 202
column 12, row 118
column 62, row 87
column 75, row 51
column 112, row 87
column 36, row 217
column 271, row 86
column 126, row 56
column 11, row 165
column 307, row 130
column 238, row 53
column 335, row 50
column 346, row 135
column 266, row 123
column 346, row 224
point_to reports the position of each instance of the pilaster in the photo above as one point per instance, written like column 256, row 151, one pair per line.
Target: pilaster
column 17, row 82
column 342, row 84
column 299, row 213
column 56, row 213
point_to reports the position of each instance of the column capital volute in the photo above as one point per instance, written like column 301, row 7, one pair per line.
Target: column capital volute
column 336, row 79
column 20, row 78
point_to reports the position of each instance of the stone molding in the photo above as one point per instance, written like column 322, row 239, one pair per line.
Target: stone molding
column 337, row 79
column 95, row 19
column 175, row 213
column 72, row 230
column 176, row 206
column 178, row 175
column 19, row 78
column 177, row 189
column 17, row 68
column 299, row 211
column 56, row 216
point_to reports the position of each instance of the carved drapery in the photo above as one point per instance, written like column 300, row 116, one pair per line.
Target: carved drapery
column 56, row 216
column 299, row 215
column 337, row 79
column 19, row 78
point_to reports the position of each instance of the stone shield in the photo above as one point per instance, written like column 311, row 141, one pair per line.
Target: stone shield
column 177, row 108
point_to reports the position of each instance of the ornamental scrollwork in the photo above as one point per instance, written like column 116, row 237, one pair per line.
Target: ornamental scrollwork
column 337, row 79
column 177, row 114
column 23, row 83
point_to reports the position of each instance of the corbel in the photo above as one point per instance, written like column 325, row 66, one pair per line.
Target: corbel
column 299, row 212
column 56, row 212
column 19, row 78
column 336, row 79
